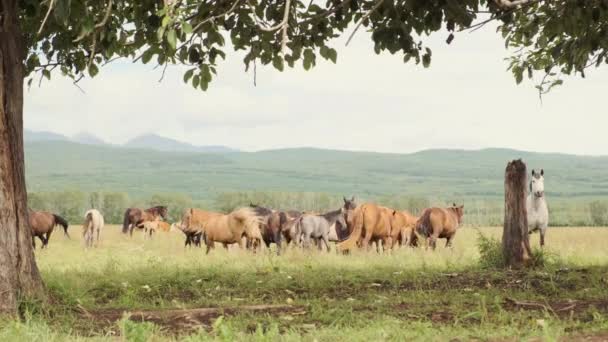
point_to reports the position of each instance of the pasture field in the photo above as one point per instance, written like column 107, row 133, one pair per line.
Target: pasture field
column 409, row 294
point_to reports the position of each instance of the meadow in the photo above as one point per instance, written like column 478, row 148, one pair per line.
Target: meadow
column 174, row 293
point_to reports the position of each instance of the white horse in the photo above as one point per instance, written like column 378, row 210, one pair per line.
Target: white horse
column 536, row 205
column 93, row 224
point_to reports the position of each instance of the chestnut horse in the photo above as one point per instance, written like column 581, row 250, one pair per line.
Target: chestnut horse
column 369, row 222
column 231, row 228
column 42, row 224
column 440, row 223
column 402, row 228
column 135, row 217
column 192, row 224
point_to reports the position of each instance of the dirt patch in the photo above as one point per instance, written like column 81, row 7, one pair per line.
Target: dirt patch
column 185, row 320
column 560, row 309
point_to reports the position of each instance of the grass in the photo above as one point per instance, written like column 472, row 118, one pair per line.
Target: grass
column 406, row 295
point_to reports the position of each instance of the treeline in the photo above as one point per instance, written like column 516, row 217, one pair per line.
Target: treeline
column 478, row 212
column 73, row 204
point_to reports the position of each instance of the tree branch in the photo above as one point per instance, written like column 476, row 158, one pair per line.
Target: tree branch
column 378, row 3
column 512, row 4
column 46, row 17
column 283, row 25
column 230, row 10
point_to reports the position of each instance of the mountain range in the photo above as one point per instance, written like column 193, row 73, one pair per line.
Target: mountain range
column 146, row 141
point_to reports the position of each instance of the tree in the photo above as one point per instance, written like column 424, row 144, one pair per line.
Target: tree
column 77, row 37
column 515, row 241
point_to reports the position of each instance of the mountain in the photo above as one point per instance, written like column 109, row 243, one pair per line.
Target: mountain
column 435, row 174
column 160, row 143
column 87, row 138
column 31, row 136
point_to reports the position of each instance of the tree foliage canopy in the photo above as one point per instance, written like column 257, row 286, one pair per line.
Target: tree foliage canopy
column 550, row 37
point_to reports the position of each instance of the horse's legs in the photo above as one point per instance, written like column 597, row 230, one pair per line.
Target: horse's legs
column 388, row 243
column 326, row 242
column 46, row 239
column 448, row 242
column 542, row 237
column 98, row 233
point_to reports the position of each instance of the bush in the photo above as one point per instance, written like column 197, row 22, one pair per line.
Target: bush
column 491, row 256
column 490, row 252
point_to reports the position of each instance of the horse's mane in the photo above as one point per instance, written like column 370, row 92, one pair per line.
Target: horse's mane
column 331, row 214
column 259, row 210
column 156, row 208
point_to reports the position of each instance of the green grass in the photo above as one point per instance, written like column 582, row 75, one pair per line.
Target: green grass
column 405, row 295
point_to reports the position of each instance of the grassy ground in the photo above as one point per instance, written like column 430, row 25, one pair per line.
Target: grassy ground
column 409, row 294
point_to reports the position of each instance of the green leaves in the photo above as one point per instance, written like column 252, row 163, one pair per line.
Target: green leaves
column 329, row 53
column 172, row 39
column 93, row 70
column 277, row 62
column 309, row 59
column 566, row 36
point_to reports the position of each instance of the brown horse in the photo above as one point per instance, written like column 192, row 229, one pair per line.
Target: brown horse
column 369, row 222
column 42, row 224
column 274, row 225
column 440, row 223
column 402, row 228
column 135, row 217
column 192, row 224
column 231, row 228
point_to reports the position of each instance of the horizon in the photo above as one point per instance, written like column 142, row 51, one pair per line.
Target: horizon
column 71, row 139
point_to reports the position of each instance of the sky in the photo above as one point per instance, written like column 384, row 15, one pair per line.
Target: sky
column 466, row 100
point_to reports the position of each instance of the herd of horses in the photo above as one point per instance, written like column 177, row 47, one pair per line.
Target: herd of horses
column 351, row 226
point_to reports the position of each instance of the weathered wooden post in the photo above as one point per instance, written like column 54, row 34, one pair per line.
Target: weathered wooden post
column 515, row 242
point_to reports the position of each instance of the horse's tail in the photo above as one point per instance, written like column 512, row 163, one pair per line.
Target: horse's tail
column 126, row 221
column 62, row 222
column 424, row 225
column 351, row 241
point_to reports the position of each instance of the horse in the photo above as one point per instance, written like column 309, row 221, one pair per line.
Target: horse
column 93, row 225
column 134, row 217
column 402, row 228
column 231, row 228
column 318, row 227
column 274, row 226
column 192, row 224
column 42, row 224
column 367, row 222
column 150, row 227
column 536, row 205
column 164, row 226
column 437, row 223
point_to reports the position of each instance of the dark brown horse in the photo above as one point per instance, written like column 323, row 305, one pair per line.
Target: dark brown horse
column 42, row 224
column 135, row 217
column 273, row 224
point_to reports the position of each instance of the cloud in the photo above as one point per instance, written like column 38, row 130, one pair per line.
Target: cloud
column 465, row 99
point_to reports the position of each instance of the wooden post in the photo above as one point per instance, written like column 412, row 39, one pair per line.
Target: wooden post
column 515, row 242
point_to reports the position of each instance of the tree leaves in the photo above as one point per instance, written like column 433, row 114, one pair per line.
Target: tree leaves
column 567, row 36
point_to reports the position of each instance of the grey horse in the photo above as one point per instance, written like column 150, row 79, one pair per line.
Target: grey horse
column 318, row 227
column 536, row 203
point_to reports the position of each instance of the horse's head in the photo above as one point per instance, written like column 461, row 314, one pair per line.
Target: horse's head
column 349, row 204
column 162, row 211
column 459, row 211
column 537, row 183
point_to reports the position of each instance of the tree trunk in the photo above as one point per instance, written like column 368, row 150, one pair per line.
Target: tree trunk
column 515, row 242
column 19, row 276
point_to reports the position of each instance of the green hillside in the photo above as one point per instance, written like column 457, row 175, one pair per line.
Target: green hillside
column 445, row 174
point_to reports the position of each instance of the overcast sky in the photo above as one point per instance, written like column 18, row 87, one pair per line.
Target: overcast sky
column 466, row 99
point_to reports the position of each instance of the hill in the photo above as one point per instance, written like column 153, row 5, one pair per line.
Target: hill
column 159, row 143
column 445, row 174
